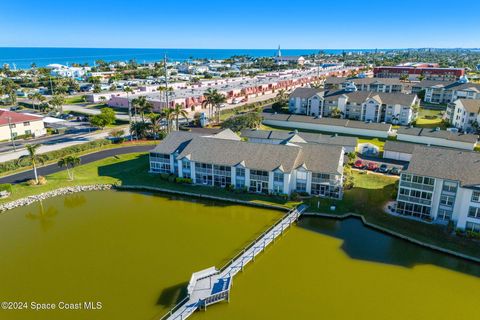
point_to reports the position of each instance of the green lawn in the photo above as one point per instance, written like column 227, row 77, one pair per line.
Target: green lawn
column 369, row 196
column 428, row 118
column 74, row 99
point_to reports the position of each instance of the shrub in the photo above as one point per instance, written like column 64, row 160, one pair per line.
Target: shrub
column 42, row 180
column 164, row 176
column 171, row 178
column 294, row 196
column 31, row 182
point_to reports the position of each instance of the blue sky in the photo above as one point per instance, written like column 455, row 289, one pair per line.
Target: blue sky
column 240, row 24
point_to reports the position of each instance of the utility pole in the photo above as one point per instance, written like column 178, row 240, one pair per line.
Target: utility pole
column 166, row 79
column 11, row 133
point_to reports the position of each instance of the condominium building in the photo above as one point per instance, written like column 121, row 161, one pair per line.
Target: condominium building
column 413, row 72
column 349, row 144
column 223, row 160
column 464, row 114
column 442, row 185
column 396, row 108
column 445, row 92
column 385, row 85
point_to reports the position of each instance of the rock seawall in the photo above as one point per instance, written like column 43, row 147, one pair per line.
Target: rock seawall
column 57, row 192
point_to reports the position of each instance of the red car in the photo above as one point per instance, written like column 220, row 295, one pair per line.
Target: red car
column 359, row 164
column 372, row 166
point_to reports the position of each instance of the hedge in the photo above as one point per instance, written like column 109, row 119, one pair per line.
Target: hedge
column 54, row 155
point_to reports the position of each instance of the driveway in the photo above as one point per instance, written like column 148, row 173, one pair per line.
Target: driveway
column 52, row 168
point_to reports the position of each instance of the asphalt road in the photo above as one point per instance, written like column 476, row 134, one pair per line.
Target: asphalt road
column 52, row 168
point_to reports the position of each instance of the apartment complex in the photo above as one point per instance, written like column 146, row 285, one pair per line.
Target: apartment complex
column 349, row 144
column 13, row 124
column 447, row 91
column 413, row 72
column 464, row 114
column 223, row 160
column 396, row 108
column 443, row 185
column 385, row 85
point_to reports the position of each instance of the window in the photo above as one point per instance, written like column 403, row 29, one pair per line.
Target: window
column 447, row 200
column 444, row 214
column 26, row 123
column 240, row 172
column 28, row 131
column 472, row 227
column 278, row 177
column 301, row 175
column 301, row 186
column 12, row 125
column 476, row 196
column 474, row 212
column 450, row 186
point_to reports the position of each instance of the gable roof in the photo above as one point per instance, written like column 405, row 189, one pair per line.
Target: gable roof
column 267, row 157
column 175, row 141
column 304, row 93
column 328, row 121
column 444, row 163
column 360, row 97
column 470, row 105
column 397, row 146
column 297, row 137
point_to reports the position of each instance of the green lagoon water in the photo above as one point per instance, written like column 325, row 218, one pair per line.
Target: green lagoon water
column 135, row 252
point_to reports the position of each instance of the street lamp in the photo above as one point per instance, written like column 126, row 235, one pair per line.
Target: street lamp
column 11, row 133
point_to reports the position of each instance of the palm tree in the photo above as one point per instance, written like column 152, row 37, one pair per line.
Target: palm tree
column 143, row 106
column 213, row 99
column 34, row 158
column 178, row 112
column 168, row 117
column 209, row 101
column 71, row 161
column 36, row 97
column 156, row 120
column 57, row 102
column 282, row 94
column 219, row 99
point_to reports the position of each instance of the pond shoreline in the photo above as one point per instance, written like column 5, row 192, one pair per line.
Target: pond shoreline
column 392, row 233
column 100, row 187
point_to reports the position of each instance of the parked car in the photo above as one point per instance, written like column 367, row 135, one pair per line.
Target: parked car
column 395, row 171
column 372, row 166
column 383, row 168
column 359, row 164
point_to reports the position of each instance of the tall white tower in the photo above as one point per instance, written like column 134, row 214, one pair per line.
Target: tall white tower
column 279, row 52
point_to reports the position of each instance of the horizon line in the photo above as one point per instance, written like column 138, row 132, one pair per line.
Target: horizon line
column 273, row 48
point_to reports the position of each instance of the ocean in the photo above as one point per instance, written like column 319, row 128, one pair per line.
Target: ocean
column 22, row 58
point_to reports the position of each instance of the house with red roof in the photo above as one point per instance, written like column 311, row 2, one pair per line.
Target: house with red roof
column 14, row 124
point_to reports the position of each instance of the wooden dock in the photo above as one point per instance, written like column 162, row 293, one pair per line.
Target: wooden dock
column 210, row 285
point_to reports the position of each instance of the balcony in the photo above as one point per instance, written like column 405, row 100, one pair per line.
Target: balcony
column 415, row 200
column 417, row 186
